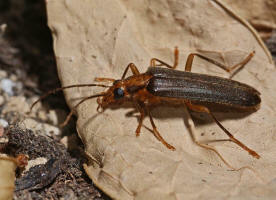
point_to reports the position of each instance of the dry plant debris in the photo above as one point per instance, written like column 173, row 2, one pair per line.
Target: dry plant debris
column 51, row 172
column 261, row 14
column 99, row 38
column 7, row 174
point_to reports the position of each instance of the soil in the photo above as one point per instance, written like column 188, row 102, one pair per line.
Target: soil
column 27, row 70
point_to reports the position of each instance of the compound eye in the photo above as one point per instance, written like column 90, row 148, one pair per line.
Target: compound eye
column 118, row 93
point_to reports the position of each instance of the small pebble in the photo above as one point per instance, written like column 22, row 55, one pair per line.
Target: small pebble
column 53, row 117
column 7, row 85
column 4, row 123
column 3, row 74
column 2, row 130
column 13, row 77
column 44, row 128
column 16, row 104
column 42, row 115
column 2, row 100
column 3, row 28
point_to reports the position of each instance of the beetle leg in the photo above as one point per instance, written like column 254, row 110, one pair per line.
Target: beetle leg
column 133, row 68
column 142, row 116
column 199, row 108
column 176, row 53
column 157, row 134
column 237, row 67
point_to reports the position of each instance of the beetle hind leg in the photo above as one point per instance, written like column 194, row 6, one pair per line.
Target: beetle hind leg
column 231, row 69
column 199, row 108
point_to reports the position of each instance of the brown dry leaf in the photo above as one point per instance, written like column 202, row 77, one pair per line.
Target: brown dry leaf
column 99, row 38
column 261, row 14
column 7, row 177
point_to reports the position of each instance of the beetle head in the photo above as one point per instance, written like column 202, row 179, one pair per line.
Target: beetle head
column 116, row 94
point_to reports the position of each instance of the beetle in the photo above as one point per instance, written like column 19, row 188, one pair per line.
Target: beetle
column 159, row 86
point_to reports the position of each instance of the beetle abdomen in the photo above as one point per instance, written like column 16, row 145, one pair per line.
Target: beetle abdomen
column 199, row 87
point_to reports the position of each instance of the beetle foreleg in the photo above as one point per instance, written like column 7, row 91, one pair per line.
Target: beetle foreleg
column 176, row 53
column 133, row 68
column 142, row 116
